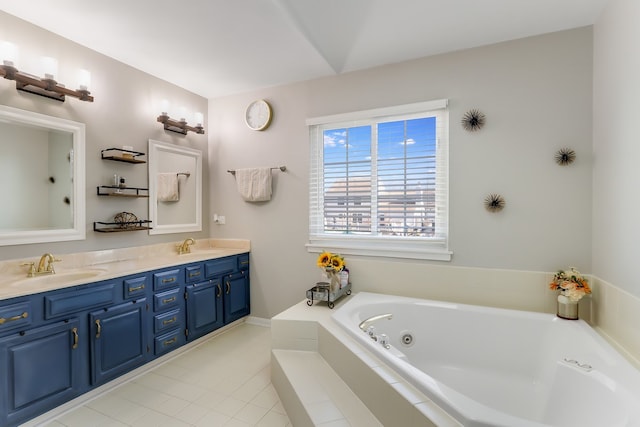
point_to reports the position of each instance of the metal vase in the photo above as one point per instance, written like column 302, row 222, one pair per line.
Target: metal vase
column 567, row 309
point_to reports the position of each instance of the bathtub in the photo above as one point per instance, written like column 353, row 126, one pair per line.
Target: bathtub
column 497, row 367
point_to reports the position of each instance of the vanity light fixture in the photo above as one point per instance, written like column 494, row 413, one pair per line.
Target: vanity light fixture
column 180, row 126
column 45, row 86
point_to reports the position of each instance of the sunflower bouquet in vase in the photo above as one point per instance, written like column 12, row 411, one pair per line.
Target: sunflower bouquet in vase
column 332, row 265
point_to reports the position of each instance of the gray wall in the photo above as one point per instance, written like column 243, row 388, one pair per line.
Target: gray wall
column 616, row 175
column 537, row 95
column 127, row 102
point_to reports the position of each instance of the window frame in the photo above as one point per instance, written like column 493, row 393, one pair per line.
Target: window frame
column 424, row 248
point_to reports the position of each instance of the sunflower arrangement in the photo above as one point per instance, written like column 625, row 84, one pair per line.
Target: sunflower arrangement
column 571, row 284
column 330, row 262
column 331, row 265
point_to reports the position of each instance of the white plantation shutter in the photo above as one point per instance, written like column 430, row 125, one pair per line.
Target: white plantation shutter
column 379, row 182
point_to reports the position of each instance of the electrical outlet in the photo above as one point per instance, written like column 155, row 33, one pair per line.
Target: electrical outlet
column 222, row 219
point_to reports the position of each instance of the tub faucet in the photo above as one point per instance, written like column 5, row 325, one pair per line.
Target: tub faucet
column 365, row 323
column 185, row 247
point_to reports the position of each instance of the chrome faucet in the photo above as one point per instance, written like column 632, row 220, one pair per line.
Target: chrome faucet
column 185, row 247
column 367, row 322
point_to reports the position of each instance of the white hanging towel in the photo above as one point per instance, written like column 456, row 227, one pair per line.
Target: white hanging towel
column 254, row 184
column 168, row 187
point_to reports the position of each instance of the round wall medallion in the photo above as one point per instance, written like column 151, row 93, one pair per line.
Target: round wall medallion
column 258, row 115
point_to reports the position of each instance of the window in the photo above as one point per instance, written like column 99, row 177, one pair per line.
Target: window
column 378, row 182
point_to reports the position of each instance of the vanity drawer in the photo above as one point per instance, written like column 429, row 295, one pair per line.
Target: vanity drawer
column 168, row 342
column 135, row 287
column 243, row 262
column 194, row 273
column 218, row 267
column 63, row 303
column 166, row 300
column 165, row 321
column 166, row 279
column 15, row 315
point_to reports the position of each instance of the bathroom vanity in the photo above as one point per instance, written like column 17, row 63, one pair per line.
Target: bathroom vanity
column 60, row 343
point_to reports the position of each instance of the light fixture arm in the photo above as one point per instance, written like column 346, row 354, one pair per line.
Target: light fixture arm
column 180, row 126
column 46, row 87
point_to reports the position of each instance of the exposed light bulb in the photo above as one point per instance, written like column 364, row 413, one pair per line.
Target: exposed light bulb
column 84, row 79
column 50, row 67
column 164, row 107
column 198, row 118
column 183, row 114
column 9, row 53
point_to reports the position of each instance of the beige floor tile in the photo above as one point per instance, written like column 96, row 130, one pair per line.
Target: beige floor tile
column 223, row 382
column 84, row 416
column 213, row 419
column 273, row 419
column 267, row 398
column 251, row 413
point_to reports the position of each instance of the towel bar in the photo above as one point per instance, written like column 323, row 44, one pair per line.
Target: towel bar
column 282, row 169
column 187, row 174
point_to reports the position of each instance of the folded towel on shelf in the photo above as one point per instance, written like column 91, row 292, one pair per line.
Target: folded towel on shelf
column 168, row 187
column 254, row 184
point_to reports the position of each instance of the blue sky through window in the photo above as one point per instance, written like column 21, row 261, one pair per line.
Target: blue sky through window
column 404, row 156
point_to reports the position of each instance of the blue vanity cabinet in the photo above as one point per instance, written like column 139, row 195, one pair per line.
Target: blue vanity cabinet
column 204, row 297
column 136, row 286
column 56, row 345
column 118, row 340
column 204, row 308
column 40, row 369
column 209, row 302
column 168, row 310
column 236, row 296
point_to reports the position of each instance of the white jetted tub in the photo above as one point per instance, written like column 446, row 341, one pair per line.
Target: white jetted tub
column 496, row 367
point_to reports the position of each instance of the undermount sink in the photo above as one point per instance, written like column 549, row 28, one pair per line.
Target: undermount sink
column 59, row 278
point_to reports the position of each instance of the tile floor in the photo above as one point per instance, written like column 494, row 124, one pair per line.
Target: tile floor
column 223, row 382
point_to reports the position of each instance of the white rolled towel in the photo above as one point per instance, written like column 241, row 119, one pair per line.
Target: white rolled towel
column 254, row 184
column 168, row 187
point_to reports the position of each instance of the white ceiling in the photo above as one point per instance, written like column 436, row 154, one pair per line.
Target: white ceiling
column 221, row 47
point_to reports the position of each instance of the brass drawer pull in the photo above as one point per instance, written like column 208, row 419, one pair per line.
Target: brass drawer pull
column 194, row 274
column 14, row 318
column 137, row 288
column 98, row 328
column 168, row 321
column 171, row 341
column 168, row 300
column 244, row 262
column 219, row 290
column 74, row 331
column 228, row 287
column 170, row 280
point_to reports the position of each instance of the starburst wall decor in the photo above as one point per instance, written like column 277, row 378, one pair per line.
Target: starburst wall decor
column 565, row 156
column 494, row 202
column 473, row 120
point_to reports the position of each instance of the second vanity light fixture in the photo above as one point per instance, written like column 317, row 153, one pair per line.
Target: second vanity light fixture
column 45, row 86
column 180, row 126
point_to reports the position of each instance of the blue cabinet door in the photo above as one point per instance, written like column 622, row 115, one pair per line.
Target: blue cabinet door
column 204, row 308
column 236, row 296
column 118, row 340
column 40, row 370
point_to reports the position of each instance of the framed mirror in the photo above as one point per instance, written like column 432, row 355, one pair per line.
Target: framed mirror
column 175, row 188
column 42, row 168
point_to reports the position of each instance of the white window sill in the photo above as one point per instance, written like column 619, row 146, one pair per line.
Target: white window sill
column 378, row 247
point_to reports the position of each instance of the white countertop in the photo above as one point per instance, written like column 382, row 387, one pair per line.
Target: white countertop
column 87, row 267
